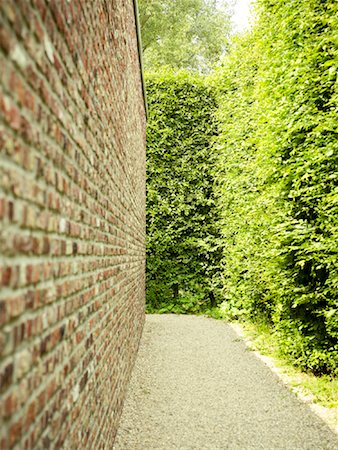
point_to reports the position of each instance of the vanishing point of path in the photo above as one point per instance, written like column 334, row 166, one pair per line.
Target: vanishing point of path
column 196, row 386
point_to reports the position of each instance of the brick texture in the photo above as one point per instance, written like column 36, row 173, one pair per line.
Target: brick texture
column 72, row 215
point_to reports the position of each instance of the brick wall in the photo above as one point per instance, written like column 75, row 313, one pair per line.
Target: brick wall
column 72, row 214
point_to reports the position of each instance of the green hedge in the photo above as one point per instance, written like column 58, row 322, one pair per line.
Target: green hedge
column 278, row 177
column 182, row 251
column 243, row 183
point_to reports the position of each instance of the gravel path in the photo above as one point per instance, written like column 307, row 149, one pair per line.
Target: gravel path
column 196, row 386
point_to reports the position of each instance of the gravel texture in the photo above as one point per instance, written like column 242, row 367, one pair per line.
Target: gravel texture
column 196, row 385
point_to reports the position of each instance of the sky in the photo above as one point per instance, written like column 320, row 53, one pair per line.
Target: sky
column 241, row 15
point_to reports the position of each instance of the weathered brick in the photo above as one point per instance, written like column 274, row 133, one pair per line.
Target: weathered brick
column 72, row 181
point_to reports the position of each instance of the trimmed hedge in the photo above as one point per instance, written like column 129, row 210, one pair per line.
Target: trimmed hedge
column 182, row 251
column 278, row 187
column 243, row 183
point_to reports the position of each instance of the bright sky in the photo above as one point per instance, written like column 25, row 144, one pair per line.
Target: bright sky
column 241, row 14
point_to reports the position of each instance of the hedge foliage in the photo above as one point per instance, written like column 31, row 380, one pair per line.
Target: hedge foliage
column 278, row 178
column 182, row 251
column 243, row 181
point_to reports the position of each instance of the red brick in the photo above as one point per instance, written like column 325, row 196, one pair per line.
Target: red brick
column 15, row 433
column 6, row 275
column 6, row 375
column 73, row 192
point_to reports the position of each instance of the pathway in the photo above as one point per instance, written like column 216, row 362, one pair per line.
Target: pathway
column 196, row 386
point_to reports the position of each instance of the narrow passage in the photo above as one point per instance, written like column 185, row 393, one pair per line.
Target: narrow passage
column 195, row 385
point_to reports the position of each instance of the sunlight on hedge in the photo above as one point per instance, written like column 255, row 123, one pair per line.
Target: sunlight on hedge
column 243, row 183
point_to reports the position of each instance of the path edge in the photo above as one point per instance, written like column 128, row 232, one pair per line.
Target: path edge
column 325, row 414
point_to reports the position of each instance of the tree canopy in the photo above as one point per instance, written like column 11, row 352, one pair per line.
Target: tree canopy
column 189, row 34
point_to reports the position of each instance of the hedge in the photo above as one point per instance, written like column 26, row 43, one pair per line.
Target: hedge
column 278, row 178
column 243, row 183
column 182, row 252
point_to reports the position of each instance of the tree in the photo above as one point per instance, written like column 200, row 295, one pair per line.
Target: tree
column 190, row 34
